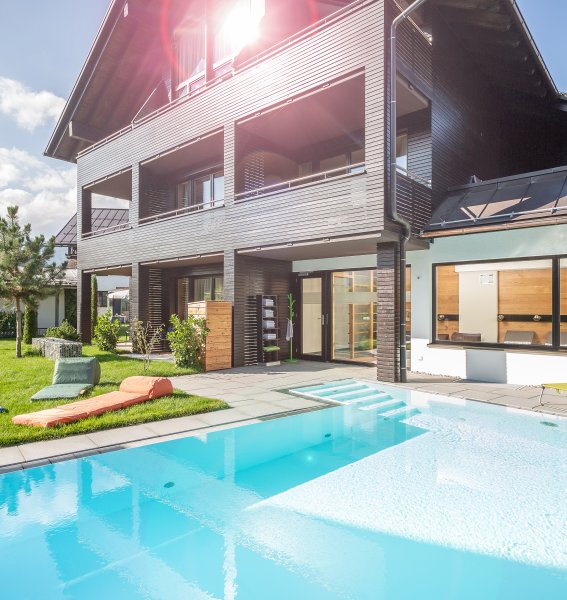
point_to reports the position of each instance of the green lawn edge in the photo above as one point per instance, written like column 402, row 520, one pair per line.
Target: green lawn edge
column 21, row 378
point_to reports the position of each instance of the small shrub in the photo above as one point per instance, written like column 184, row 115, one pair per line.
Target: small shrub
column 65, row 331
column 30, row 325
column 187, row 340
column 145, row 338
column 106, row 333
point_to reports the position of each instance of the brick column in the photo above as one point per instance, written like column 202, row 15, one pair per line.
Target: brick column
column 388, row 319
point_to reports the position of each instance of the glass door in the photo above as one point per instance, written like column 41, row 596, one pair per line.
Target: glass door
column 353, row 331
column 312, row 318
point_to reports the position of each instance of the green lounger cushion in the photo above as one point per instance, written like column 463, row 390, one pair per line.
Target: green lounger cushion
column 77, row 370
column 61, row 390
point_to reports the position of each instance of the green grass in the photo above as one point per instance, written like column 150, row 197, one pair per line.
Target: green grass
column 21, row 378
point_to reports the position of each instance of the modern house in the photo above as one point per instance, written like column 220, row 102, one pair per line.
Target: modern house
column 251, row 139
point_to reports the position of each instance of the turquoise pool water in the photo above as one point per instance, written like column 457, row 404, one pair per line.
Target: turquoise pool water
column 446, row 500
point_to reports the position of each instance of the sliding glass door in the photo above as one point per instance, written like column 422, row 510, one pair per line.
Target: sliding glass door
column 353, row 331
column 338, row 316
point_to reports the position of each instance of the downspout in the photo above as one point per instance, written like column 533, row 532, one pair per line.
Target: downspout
column 405, row 225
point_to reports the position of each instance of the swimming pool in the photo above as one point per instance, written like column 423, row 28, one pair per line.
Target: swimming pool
column 451, row 499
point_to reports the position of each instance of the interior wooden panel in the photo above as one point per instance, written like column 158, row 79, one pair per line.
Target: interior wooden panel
column 525, row 292
column 447, row 298
column 563, row 296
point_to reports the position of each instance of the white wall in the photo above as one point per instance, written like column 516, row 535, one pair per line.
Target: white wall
column 46, row 316
column 507, row 366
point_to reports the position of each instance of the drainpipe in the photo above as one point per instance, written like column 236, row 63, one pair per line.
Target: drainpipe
column 405, row 225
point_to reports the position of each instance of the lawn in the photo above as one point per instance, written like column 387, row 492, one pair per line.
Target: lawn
column 21, row 378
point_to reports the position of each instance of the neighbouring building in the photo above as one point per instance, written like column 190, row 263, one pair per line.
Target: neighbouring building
column 107, row 285
column 250, row 142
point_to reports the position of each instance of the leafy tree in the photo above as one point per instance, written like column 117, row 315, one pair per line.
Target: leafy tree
column 106, row 333
column 94, row 304
column 30, row 324
column 27, row 273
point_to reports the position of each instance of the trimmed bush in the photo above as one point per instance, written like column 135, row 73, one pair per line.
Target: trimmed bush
column 30, row 324
column 106, row 333
column 65, row 331
column 187, row 340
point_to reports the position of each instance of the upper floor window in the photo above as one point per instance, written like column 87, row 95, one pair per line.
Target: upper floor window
column 402, row 151
column 201, row 192
column 189, row 42
column 237, row 25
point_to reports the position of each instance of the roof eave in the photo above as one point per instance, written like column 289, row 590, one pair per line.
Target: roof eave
column 114, row 8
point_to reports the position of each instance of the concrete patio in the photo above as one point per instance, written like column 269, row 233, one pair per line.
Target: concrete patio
column 257, row 393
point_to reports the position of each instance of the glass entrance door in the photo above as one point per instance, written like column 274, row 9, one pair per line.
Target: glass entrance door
column 312, row 317
column 353, row 331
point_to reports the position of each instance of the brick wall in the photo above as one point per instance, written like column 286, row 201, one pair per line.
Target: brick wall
column 388, row 320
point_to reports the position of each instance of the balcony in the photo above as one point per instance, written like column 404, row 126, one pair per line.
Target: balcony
column 306, row 141
column 414, row 199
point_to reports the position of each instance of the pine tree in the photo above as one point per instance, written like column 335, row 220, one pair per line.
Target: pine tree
column 27, row 273
column 94, row 304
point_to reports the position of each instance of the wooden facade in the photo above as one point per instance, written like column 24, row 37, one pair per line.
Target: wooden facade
column 469, row 127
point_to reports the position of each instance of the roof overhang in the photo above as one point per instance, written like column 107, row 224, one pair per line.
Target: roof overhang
column 127, row 52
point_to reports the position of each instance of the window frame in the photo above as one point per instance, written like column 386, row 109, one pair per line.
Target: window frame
column 554, row 347
column 190, row 179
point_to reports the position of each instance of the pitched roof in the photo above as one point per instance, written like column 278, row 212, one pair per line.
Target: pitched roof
column 102, row 218
column 505, row 203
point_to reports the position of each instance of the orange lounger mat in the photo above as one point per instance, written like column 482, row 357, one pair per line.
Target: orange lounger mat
column 133, row 390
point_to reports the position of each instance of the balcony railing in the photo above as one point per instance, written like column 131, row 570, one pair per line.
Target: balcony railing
column 178, row 212
column 413, row 199
column 354, row 169
column 105, row 230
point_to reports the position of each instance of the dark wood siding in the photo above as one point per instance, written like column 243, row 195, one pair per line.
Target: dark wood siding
column 343, row 206
column 257, row 276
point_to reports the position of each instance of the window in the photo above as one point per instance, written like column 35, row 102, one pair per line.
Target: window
column 189, row 43
column 334, row 162
column 402, row 151
column 357, row 158
column 198, row 289
column 201, row 192
column 504, row 302
column 102, row 298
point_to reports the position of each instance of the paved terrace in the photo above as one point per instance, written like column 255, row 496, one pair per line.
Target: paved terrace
column 258, row 393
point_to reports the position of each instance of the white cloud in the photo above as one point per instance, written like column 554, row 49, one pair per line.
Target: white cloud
column 45, row 193
column 28, row 108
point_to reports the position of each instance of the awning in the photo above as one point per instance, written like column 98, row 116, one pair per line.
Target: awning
column 518, row 201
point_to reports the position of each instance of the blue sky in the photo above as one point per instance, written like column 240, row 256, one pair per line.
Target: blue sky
column 43, row 44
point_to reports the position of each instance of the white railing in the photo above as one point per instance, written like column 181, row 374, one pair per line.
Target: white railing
column 312, row 178
column 414, row 176
column 181, row 211
column 105, row 230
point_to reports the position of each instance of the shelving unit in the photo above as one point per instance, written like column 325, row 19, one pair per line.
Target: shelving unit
column 268, row 330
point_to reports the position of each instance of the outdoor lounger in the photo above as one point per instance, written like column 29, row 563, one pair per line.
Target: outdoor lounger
column 71, row 377
column 133, row 390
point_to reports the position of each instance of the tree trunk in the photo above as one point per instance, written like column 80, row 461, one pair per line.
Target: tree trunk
column 18, row 329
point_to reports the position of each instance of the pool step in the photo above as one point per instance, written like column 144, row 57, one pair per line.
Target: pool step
column 357, row 395
column 404, row 412
column 362, row 396
column 342, row 391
